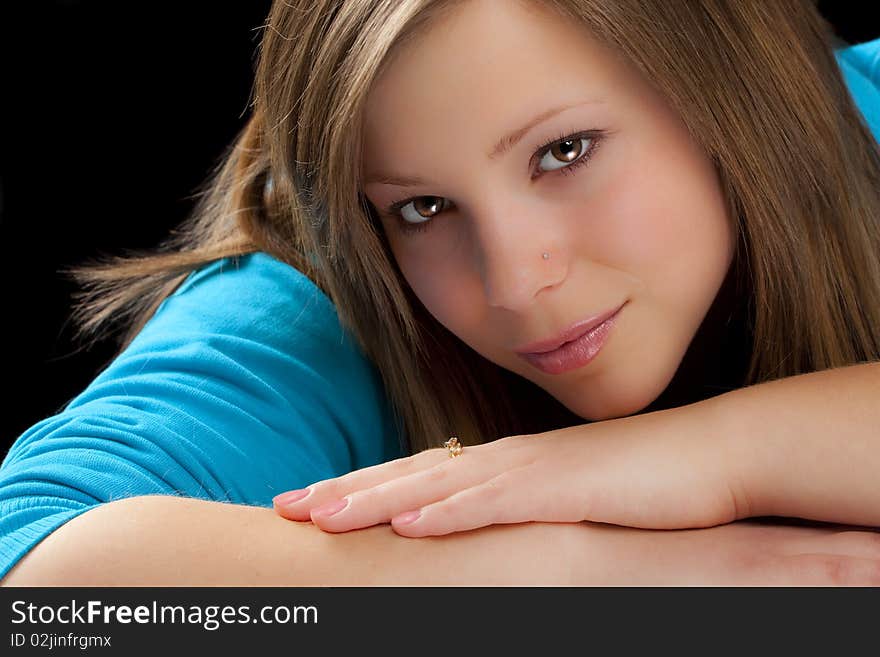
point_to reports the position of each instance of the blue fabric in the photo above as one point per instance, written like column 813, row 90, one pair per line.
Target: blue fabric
column 860, row 65
column 243, row 385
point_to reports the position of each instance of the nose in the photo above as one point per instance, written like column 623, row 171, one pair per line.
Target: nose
column 519, row 257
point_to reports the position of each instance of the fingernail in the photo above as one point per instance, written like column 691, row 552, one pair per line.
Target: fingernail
column 291, row 496
column 331, row 508
column 408, row 517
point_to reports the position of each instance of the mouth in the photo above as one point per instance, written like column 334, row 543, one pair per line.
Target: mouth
column 575, row 348
column 570, row 334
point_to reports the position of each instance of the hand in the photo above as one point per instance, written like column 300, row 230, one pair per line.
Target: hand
column 662, row 470
column 744, row 553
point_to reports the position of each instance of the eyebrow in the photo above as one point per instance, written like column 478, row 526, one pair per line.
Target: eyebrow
column 504, row 144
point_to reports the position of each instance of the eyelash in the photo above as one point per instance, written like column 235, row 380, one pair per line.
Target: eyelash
column 593, row 136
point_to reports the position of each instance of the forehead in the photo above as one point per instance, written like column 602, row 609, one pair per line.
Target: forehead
column 483, row 68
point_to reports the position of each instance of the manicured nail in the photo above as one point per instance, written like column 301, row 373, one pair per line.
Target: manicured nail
column 408, row 517
column 331, row 508
column 291, row 496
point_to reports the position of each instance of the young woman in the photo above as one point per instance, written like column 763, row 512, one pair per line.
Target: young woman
column 424, row 165
column 707, row 188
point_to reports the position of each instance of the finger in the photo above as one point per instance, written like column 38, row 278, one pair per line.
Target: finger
column 502, row 499
column 371, row 506
column 328, row 490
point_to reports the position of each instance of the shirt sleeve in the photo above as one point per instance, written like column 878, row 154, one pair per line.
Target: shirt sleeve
column 860, row 66
column 242, row 385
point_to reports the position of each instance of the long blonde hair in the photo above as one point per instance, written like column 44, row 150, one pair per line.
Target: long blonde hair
column 755, row 82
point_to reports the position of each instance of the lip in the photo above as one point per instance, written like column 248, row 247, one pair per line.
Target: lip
column 578, row 352
column 573, row 332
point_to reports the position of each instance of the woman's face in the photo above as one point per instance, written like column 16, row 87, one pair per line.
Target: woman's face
column 625, row 203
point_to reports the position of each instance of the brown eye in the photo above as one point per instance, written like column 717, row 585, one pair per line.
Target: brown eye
column 424, row 208
column 564, row 153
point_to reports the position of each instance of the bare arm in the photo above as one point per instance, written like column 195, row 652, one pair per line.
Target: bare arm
column 809, row 445
column 173, row 541
column 169, row 541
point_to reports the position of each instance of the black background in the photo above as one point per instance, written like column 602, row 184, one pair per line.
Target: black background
column 112, row 115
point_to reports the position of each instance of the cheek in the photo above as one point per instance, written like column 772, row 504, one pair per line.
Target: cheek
column 662, row 220
column 445, row 292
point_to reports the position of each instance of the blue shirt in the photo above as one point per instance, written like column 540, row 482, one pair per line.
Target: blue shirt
column 860, row 65
column 242, row 385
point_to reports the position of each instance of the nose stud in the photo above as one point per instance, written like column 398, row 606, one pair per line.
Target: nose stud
column 546, row 256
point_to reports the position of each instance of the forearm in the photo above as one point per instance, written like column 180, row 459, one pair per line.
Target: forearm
column 170, row 541
column 809, row 446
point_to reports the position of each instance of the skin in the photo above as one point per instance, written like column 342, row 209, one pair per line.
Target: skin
column 126, row 543
column 644, row 222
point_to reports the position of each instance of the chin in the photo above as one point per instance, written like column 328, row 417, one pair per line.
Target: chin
column 600, row 409
column 619, row 393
